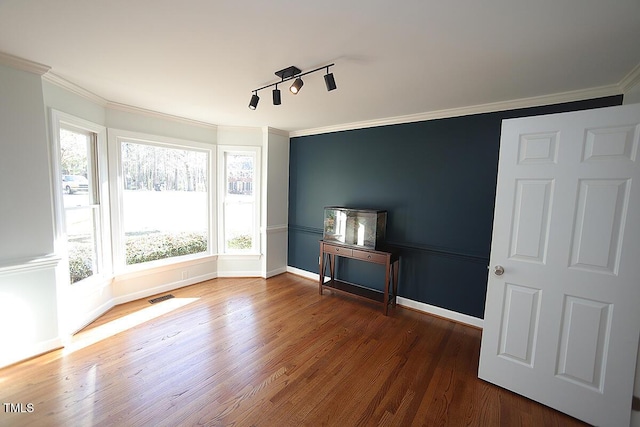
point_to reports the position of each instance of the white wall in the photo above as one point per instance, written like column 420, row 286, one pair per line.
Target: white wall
column 68, row 102
column 28, row 293
column 28, row 310
column 276, row 189
column 232, row 135
column 26, row 212
column 132, row 119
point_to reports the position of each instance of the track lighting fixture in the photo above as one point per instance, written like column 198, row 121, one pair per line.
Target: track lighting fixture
column 254, row 100
column 291, row 73
column 295, row 87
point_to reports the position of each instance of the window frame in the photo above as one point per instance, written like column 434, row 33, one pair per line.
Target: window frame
column 256, row 152
column 98, row 167
column 115, row 140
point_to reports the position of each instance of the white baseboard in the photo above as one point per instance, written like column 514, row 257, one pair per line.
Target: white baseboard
column 239, row 273
column 275, row 272
column 408, row 303
column 303, row 273
column 32, row 351
column 441, row 312
column 90, row 317
column 164, row 288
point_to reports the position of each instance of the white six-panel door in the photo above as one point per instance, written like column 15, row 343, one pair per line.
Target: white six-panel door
column 562, row 321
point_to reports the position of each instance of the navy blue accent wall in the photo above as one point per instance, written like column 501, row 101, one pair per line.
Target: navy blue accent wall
column 437, row 181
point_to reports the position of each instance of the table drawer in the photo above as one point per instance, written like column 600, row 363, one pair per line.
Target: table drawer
column 338, row 250
column 370, row 256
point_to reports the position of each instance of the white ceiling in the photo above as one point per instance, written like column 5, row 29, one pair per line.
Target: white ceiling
column 201, row 59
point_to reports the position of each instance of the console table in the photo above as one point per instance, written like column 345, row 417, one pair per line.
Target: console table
column 391, row 261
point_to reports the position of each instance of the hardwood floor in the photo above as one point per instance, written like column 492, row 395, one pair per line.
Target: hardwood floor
column 254, row 352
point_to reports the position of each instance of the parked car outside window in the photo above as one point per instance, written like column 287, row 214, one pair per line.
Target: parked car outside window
column 74, row 183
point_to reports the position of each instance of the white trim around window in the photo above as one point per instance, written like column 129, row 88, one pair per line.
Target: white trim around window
column 116, row 138
column 254, row 152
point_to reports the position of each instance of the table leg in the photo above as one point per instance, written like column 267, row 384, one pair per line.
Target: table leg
column 387, row 277
column 396, row 267
column 332, row 267
column 321, row 268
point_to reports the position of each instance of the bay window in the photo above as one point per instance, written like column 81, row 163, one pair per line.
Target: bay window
column 136, row 201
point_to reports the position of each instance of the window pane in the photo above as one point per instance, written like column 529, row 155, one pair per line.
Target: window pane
column 165, row 202
column 238, row 226
column 76, row 152
column 81, row 237
column 239, row 174
column 239, row 207
column 77, row 160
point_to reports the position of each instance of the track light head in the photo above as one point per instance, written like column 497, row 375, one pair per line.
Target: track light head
column 276, row 96
column 254, row 101
column 329, row 81
column 295, row 87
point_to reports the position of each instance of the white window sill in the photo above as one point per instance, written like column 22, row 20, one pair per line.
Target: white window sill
column 245, row 256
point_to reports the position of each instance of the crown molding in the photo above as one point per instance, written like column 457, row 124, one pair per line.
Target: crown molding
column 155, row 114
column 23, row 64
column 627, row 83
column 558, row 98
column 631, row 80
column 80, row 91
column 74, row 88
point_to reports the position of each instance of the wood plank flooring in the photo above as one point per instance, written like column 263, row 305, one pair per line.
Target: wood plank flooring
column 254, row 352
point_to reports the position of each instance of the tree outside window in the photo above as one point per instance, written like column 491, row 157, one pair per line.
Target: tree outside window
column 164, row 201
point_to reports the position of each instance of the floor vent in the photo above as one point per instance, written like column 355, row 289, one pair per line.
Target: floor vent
column 162, row 298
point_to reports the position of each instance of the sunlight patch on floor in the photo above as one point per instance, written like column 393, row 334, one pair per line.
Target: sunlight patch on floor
column 99, row 333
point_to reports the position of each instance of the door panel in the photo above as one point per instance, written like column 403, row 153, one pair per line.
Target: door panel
column 520, row 323
column 615, row 143
column 531, row 220
column 562, row 322
column 599, row 224
column 585, row 332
